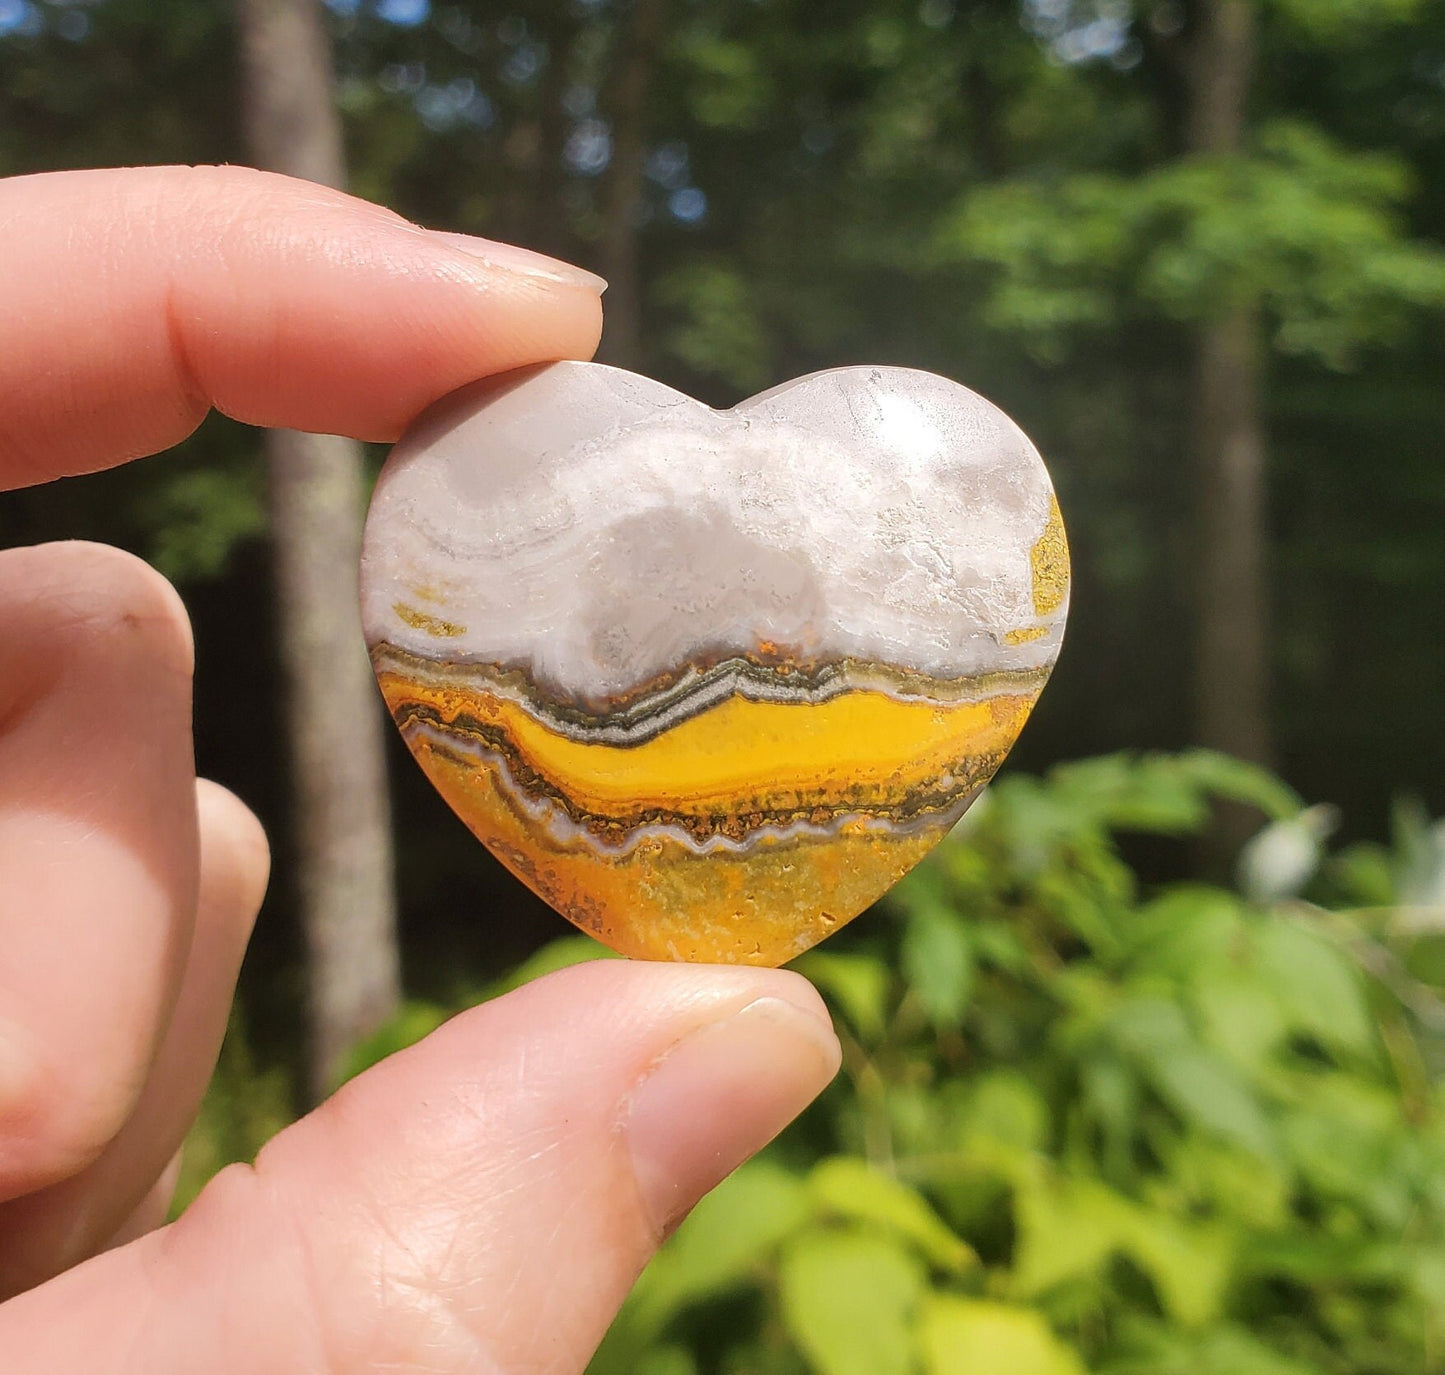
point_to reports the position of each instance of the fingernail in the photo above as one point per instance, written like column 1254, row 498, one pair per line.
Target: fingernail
column 721, row 1094
column 506, row 257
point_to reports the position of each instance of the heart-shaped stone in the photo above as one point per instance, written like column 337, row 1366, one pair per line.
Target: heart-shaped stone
column 712, row 681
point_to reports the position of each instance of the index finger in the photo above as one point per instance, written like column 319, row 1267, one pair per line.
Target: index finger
column 134, row 300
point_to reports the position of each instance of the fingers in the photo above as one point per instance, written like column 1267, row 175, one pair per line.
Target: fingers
column 481, row 1202
column 125, row 1187
column 98, row 847
column 136, row 299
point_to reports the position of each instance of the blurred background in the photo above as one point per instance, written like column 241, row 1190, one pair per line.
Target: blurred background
column 1143, row 1069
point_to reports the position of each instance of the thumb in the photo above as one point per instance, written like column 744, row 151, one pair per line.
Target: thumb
column 480, row 1202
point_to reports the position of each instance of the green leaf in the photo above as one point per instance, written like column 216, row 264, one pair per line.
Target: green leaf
column 1204, row 1089
column 1190, row 1265
column 741, row 1222
column 1067, row 1229
column 1426, row 1271
column 848, row 1299
column 858, row 984
column 773, row 1354
column 1190, row 931
column 1070, row 1228
column 1306, row 227
column 1306, row 1257
column 1345, row 1140
column 724, row 1240
column 958, row 1336
column 1364, row 874
column 1200, row 1085
column 937, row 961
column 1133, row 792
column 850, row 1188
column 999, row 944
column 1158, row 1350
column 1239, row 781
column 1005, row 1108
column 1316, row 984
column 667, row 1360
column 1424, row 957
column 1242, row 1017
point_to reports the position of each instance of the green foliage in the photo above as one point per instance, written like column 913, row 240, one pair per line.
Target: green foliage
column 959, row 1336
column 1344, row 21
column 1311, row 230
column 848, row 1188
column 848, row 1298
column 937, row 961
column 199, row 516
column 728, row 86
column 1148, row 1131
column 719, row 330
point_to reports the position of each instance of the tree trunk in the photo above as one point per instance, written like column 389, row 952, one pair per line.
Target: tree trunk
column 1221, row 71
column 1232, row 651
column 1231, row 659
column 333, row 719
column 634, row 53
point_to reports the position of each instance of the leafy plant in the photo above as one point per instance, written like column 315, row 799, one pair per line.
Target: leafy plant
column 1082, row 1125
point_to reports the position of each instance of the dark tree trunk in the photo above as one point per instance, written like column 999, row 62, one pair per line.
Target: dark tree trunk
column 1232, row 651
column 1221, row 71
column 634, row 56
column 333, row 719
column 1231, row 656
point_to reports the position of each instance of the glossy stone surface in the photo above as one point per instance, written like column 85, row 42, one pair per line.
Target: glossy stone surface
column 712, row 681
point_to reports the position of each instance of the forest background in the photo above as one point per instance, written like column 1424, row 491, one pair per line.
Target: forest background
column 1113, row 1099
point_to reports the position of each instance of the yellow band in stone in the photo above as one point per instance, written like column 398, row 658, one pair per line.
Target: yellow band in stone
column 857, row 752
column 743, row 832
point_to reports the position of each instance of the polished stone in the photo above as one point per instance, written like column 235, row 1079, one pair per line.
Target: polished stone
column 712, row 681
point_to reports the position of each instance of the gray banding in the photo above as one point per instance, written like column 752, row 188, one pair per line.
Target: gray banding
column 697, row 690
column 551, row 812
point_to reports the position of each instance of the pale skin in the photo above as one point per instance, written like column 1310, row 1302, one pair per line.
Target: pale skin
column 480, row 1203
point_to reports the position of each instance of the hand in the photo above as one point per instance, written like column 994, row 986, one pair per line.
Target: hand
column 478, row 1203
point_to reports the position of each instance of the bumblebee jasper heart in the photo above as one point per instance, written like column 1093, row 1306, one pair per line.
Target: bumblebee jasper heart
column 712, row 681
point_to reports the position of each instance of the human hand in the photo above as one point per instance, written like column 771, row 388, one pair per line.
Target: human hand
column 478, row 1203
